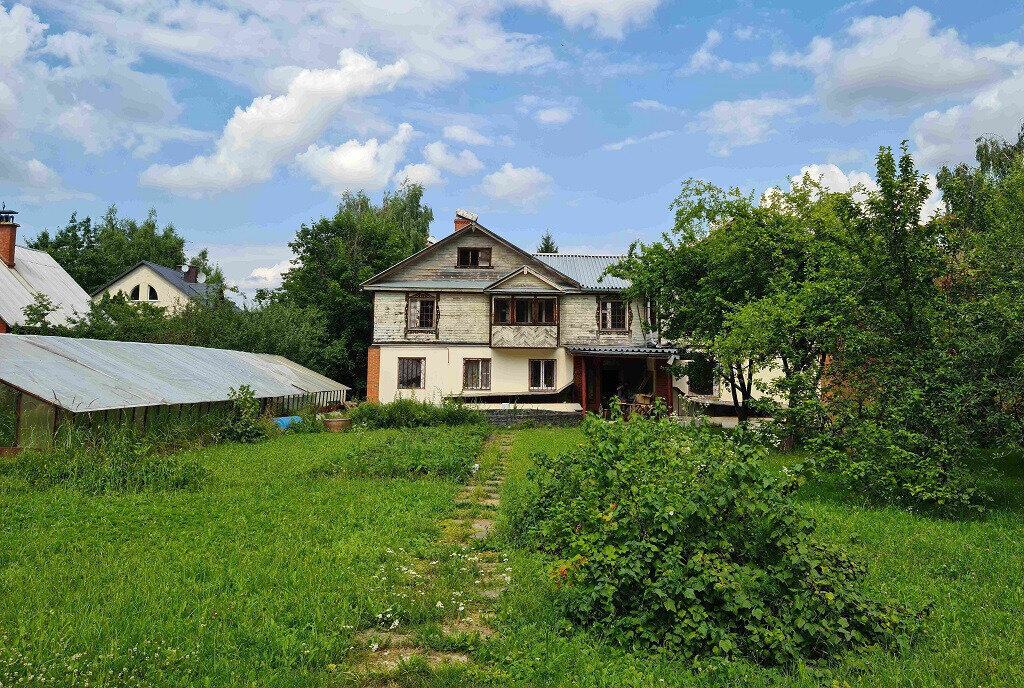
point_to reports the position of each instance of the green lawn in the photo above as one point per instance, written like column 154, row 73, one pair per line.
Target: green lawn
column 264, row 576
column 972, row 572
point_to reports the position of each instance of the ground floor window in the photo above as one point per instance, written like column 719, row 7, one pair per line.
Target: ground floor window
column 542, row 374
column 476, row 373
column 411, row 373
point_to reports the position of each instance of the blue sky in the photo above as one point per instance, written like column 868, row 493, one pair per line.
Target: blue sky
column 238, row 123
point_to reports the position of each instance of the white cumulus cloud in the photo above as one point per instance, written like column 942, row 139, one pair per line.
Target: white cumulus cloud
column 272, row 130
column 705, row 59
column 736, row 123
column 354, row 165
column 421, row 173
column 523, row 187
column 438, row 155
column 464, row 134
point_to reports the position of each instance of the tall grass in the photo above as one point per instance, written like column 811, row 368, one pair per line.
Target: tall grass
column 410, row 413
column 109, row 459
column 7, row 426
column 409, row 452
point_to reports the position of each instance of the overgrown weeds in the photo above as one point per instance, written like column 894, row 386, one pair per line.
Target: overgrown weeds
column 110, row 459
column 409, row 452
column 679, row 539
column 411, row 413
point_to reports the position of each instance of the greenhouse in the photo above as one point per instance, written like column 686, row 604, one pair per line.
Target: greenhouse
column 46, row 382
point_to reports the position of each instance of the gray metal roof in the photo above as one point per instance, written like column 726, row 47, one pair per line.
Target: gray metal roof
column 175, row 277
column 585, row 269
column 37, row 272
column 94, row 375
column 194, row 289
column 622, row 350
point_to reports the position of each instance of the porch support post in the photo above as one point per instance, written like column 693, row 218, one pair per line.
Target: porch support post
column 663, row 383
column 579, row 365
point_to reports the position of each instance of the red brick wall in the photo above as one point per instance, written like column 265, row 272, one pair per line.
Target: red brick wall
column 8, row 235
column 3, row 327
column 373, row 374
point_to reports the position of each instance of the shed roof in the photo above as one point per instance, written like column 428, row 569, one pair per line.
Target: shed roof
column 94, row 375
column 37, row 272
column 586, row 269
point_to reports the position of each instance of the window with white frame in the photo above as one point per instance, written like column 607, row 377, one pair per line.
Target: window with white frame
column 411, row 373
column 542, row 374
column 476, row 373
column 422, row 313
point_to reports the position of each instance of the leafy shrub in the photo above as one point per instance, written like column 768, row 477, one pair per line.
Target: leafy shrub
column 677, row 538
column 113, row 459
column 893, row 463
column 410, row 413
column 245, row 423
column 309, row 423
column 409, row 452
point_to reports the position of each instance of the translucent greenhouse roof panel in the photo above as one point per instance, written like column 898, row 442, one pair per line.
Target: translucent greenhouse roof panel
column 37, row 272
column 93, row 375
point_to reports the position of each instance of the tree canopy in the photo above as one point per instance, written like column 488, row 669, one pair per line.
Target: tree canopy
column 336, row 254
column 95, row 253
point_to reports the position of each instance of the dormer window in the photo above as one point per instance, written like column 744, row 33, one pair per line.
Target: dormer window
column 474, row 257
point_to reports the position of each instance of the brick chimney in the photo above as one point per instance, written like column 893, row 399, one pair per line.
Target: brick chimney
column 464, row 218
column 190, row 273
column 8, row 235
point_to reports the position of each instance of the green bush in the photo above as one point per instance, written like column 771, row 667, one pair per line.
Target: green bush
column 410, row 413
column 409, row 452
column 244, row 422
column 892, row 463
column 677, row 538
column 113, row 459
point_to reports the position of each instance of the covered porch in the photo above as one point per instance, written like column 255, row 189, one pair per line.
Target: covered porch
column 636, row 375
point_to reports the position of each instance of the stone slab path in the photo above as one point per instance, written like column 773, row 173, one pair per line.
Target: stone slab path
column 379, row 653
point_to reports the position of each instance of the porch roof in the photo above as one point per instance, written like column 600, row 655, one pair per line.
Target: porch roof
column 637, row 351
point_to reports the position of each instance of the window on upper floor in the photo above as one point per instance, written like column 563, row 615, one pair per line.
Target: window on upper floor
column 422, row 313
column 134, row 296
column 611, row 315
column 525, row 310
column 153, row 295
column 546, row 312
column 474, row 257
column 502, row 311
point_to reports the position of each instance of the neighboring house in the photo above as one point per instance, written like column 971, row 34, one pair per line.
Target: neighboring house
column 26, row 272
column 169, row 288
column 475, row 317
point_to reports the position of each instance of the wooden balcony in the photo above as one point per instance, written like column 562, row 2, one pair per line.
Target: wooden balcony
column 524, row 336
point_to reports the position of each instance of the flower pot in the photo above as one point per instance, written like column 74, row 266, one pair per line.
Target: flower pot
column 337, row 424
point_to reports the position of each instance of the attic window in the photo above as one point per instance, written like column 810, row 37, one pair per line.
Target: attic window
column 152, row 294
column 134, row 296
column 474, row 257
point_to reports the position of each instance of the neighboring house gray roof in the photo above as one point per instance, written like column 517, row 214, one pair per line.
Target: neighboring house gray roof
column 37, row 272
column 95, row 375
column 172, row 275
column 586, row 269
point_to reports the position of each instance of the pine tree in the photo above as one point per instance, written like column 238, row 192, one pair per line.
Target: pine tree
column 547, row 243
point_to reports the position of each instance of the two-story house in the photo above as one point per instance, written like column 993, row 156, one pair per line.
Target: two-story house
column 157, row 285
column 475, row 317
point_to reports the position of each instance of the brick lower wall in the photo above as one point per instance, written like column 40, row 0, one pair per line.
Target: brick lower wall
column 3, row 327
column 373, row 374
